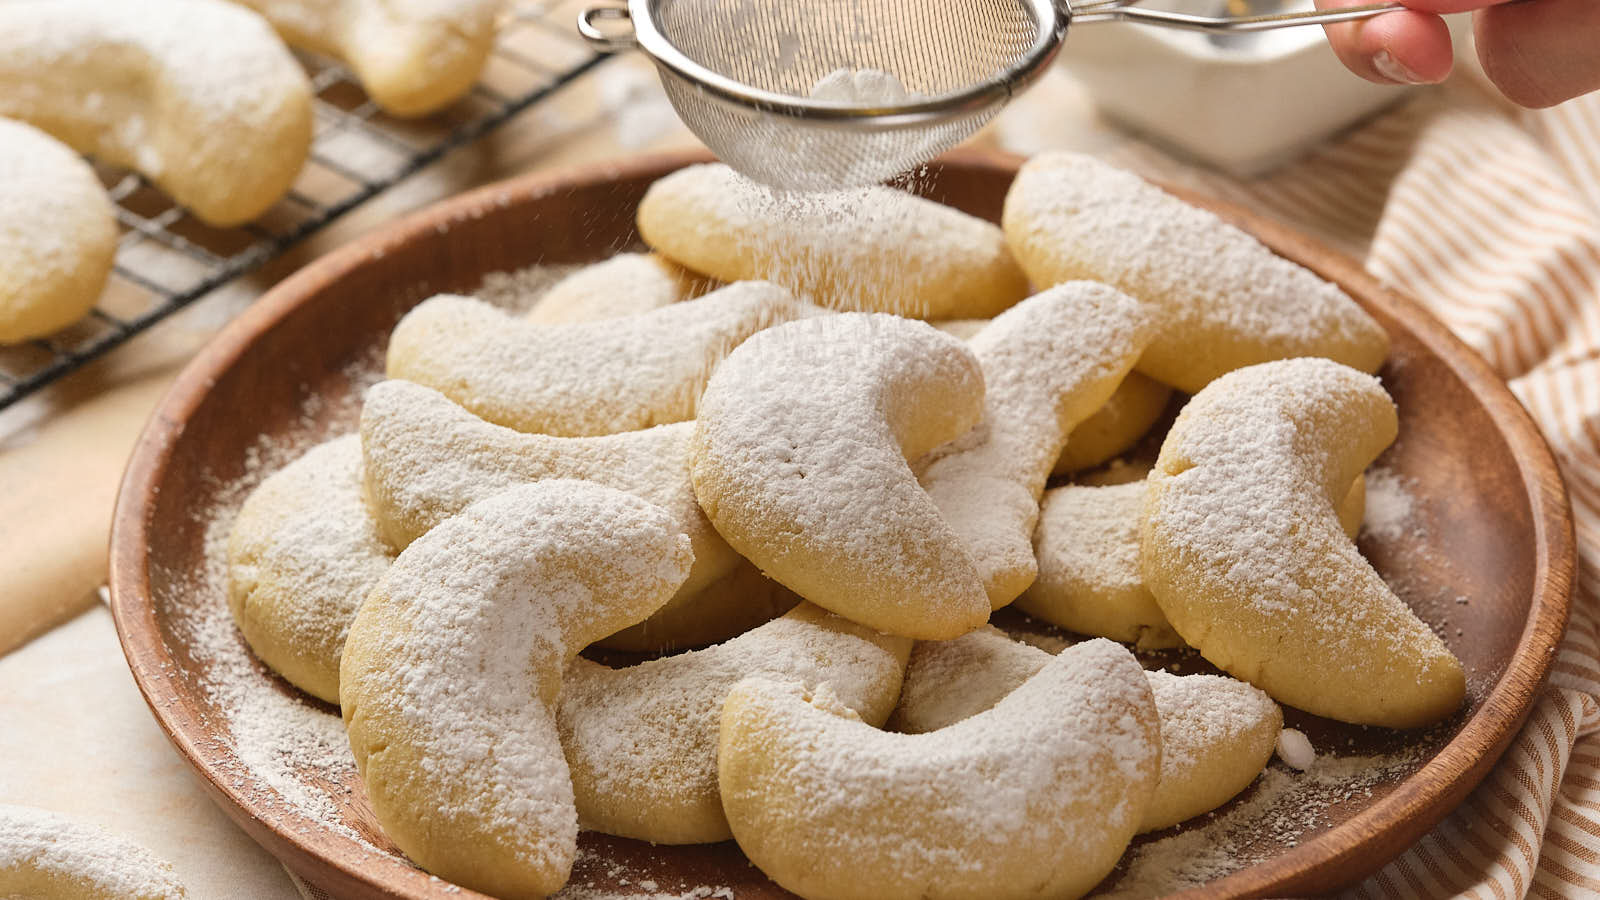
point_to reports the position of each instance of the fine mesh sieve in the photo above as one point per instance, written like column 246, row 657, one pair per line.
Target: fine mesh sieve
column 741, row 73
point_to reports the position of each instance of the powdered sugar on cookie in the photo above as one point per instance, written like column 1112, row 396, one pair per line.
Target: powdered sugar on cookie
column 871, row 250
column 53, row 855
column 303, row 554
column 1048, row 363
column 1224, row 299
column 642, row 741
column 983, row 807
column 453, row 666
column 585, row 378
column 799, row 459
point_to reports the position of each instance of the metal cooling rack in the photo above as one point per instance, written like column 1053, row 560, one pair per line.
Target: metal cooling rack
column 167, row 259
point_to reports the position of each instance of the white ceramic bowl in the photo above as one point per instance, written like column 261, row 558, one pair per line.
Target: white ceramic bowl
column 1243, row 103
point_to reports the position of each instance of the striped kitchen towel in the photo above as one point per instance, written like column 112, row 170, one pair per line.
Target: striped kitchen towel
column 1489, row 215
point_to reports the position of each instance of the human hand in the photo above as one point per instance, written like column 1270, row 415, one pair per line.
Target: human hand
column 1537, row 52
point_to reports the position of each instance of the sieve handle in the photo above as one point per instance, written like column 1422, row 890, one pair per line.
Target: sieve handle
column 601, row 39
column 1117, row 12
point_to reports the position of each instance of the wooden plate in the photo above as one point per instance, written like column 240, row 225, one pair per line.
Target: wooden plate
column 1489, row 562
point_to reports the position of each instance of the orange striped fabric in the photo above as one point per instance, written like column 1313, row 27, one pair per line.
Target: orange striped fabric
column 1491, row 217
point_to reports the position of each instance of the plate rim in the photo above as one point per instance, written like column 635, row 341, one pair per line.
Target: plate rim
column 1338, row 856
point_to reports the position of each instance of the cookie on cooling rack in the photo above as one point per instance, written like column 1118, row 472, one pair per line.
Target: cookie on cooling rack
column 58, row 234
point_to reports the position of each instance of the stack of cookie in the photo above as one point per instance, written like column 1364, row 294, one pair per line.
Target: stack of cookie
column 202, row 98
column 807, row 502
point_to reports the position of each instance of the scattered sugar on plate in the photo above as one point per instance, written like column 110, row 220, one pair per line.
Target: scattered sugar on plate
column 1391, row 506
column 648, row 891
column 291, row 754
column 595, row 876
column 1280, row 810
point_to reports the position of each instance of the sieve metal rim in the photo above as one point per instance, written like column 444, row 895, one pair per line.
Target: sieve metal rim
column 1052, row 17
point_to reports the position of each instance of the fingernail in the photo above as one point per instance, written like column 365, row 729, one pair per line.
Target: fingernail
column 1390, row 68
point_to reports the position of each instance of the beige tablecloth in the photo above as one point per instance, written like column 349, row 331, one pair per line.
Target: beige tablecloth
column 1489, row 215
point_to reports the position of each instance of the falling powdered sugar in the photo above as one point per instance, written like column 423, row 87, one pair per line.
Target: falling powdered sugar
column 875, row 249
column 520, row 291
column 581, row 378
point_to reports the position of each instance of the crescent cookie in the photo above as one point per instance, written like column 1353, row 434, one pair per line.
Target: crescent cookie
column 1243, row 548
column 1223, row 299
column 799, row 458
column 965, row 329
column 453, row 667
column 411, row 56
column 642, row 741
column 726, row 608
column 1087, row 544
column 199, row 97
column 427, row 459
column 1034, row 797
column 1217, row 734
column 1114, row 428
column 624, row 285
column 45, row 855
column 874, row 250
column 1048, row 363
column 583, row 378
column 58, row 234
column 303, row 554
